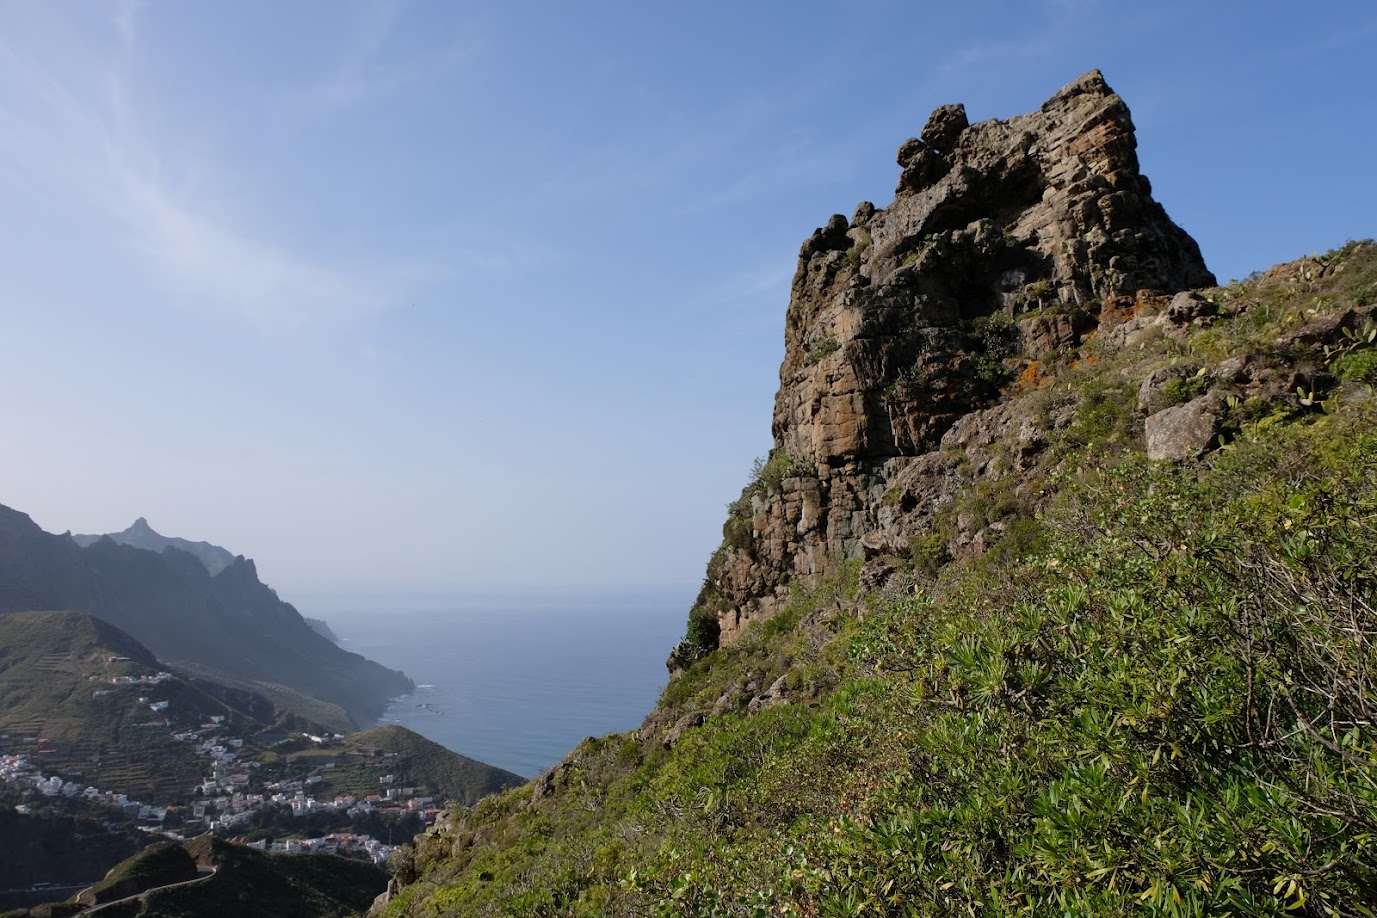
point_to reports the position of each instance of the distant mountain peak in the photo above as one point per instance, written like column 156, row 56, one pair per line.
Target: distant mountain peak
column 141, row 535
column 169, row 593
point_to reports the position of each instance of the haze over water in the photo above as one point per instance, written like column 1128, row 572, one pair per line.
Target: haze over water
column 515, row 681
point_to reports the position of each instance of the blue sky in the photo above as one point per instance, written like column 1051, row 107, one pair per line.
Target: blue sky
column 431, row 296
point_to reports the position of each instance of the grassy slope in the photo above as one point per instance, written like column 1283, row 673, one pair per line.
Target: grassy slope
column 1154, row 697
column 52, row 667
column 355, row 764
column 46, row 691
column 331, row 716
column 417, row 761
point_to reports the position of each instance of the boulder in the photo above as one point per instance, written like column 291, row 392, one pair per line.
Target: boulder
column 681, row 726
column 1328, row 329
column 1181, row 432
column 944, row 126
column 1046, row 333
column 777, row 693
column 1190, row 308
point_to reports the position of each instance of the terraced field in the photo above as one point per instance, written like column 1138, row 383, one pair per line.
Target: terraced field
column 66, row 701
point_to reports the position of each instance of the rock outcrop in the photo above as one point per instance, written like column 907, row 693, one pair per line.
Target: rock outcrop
column 1007, row 242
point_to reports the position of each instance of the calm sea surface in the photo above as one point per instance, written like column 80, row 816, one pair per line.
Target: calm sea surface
column 515, row 681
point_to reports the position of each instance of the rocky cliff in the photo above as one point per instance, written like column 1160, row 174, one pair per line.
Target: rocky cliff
column 1008, row 242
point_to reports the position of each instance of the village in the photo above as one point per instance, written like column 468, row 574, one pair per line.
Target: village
column 225, row 802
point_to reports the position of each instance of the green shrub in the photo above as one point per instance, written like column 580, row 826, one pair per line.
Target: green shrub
column 825, row 348
column 853, row 255
column 768, row 474
column 1357, row 366
column 929, row 552
column 738, row 532
column 994, row 339
column 1104, row 415
column 703, row 629
column 1182, row 389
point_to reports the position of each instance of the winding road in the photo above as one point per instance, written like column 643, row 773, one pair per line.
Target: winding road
column 205, row 873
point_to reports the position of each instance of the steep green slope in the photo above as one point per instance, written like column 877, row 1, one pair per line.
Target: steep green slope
column 70, row 700
column 1151, row 691
column 161, row 864
column 413, row 759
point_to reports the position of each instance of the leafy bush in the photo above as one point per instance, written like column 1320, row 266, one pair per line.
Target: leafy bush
column 853, row 255
column 768, row 474
column 825, row 348
column 1182, row 389
column 1357, row 366
column 993, row 340
column 703, row 630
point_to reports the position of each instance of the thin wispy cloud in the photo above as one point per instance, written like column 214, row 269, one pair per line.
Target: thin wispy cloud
column 789, row 166
column 211, row 266
column 126, row 19
column 676, row 151
column 78, row 134
column 365, row 73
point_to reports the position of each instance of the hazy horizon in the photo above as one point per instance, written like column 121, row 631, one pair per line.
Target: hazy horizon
column 392, row 296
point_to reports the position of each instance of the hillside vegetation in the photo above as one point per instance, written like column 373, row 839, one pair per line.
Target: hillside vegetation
column 85, row 701
column 62, row 703
column 416, row 760
column 1150, row 692
column 384, row 758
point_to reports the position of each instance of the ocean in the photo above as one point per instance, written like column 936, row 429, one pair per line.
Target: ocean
column 515, row 681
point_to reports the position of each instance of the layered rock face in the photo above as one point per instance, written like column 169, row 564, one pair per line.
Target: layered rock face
column 1004, row 243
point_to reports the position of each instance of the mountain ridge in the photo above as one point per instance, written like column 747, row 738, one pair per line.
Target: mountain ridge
column 141, row 535
column 228, row 626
